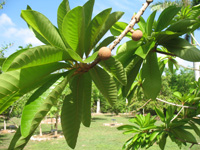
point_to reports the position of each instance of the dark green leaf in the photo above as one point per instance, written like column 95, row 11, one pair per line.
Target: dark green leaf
column 73, row 29
column 166, row 17
column 115, row 67
column 104, row 83
column 142, row 24
column 160, row 114
column 143, row 50
column 183, row 49
column 151, row 76
column 43, row 26
column 150, row 22
column 94, row 28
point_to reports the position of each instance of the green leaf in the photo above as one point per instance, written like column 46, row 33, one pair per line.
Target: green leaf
column 170, row 65
column 36, row 56
column 127, row 127
column 94, row 29
column 10, row 59
column 105, row 43
column 118, row 28
column 143, row 50
column 163, row 36
column 162, row 141
column 105, row 83
column 142, row 24
column 112, row 19
column 126, row 51
column 2, row 60
column 18, row 141
column 33, row 105
column 63, row 9
column 151, row 76
column 22, row 81
column 182, row 26
column 166, row 17
column 115, row 67
column 73, row 29
column 160, row 114
column 86, row 104
column 43, row 26
column 91, row 58
column 183, row 49
column 154, row 135
column 88, row 9
column 195, row 128
column 131, row 76
column 184, row 135
column 150, row 22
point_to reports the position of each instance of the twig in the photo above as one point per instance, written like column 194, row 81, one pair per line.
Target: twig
column 195, row 39
column 177, row 114
column 165, row 53
column 175, row 104
column 126, row 30
column 142, row 106
column 188, row 67
column 187, row 141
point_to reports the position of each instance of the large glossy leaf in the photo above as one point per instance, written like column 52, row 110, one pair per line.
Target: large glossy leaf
column 63, row 9
column 105, row 43
column 86, row 103
column 105, row 83
column 183, row 49
column 94, row 29
column 126, row 51
column 43, row 26
column 143, row 50
column 151, row 76
column 118, row 28
column 19, row 141
column 33, row 105
column 164, row 36
column 115, row 67
column 37, row 56
column 142, row 24
column 182, row 26
column 22, row 81
column 131, row 75
column 150, row 22
column 166, row 17
column 88, row 9
column 73, row 29
column 160, row 114
column 112, row 19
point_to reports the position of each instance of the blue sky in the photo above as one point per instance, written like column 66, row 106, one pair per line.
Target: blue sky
column 13, row 28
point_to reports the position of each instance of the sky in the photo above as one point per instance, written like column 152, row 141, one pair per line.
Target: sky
column 13, row 29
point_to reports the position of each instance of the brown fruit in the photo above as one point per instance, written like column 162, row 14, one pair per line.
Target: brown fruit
column 137, row 35
column 104, row 53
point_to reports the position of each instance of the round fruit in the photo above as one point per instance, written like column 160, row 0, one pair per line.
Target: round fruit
column 137, row 35
column 104, row 53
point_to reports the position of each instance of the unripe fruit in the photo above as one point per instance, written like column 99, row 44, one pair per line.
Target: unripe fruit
column 137, row 35
column 104, row 53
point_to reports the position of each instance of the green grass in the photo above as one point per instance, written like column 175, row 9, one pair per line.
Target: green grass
column 97, row 137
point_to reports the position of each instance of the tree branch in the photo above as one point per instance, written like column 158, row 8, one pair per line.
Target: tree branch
column 165, row 53
column 195, row 39
column 175, row 104
column 177, row 114
column 126, row 30
column 142, row 106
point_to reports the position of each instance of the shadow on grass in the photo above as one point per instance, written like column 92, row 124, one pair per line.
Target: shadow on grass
column 94, row 119
column 49, row 132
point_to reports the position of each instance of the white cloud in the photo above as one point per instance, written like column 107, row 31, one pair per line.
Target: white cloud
column 5, row 20
column 8, row 30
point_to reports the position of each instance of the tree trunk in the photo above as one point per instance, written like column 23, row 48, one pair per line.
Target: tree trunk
column 98, row 106
column 56, row 124
column 40, row 129
column 4, row 124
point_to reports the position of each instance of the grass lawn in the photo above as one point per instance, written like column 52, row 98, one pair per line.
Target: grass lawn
column 97, row 137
